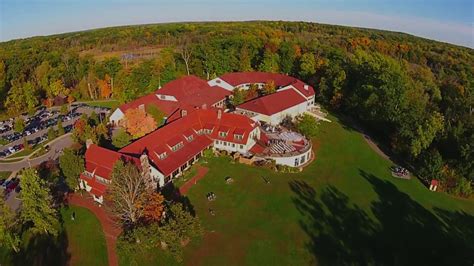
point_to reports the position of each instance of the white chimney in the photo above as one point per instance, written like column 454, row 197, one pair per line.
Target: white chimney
column 89, row 143
column 306, row 86
column 219, row 114
column 184, row 113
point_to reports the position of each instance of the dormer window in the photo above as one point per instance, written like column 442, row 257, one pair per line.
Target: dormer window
column 207, row 131
column 190, row 138
column 222, row 134
column 238, row 137
column 163, row 156
column 177, row 146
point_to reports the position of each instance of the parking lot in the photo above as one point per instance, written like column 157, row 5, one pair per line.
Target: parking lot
column 37, row 125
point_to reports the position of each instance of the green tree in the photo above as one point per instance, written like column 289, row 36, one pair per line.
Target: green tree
column 19, row 125
column 60, row 128
column 307, row 125
column 36, row 209
column 270, row 62
column 121, row 138
column 307, row 65
column 179, row 227
column 56, row 88
column 64, row 109
column 94, row 119
column 72, row 165
column 156, row 113
column 238, row 96
column 9, row 231
column 51, row 133
column 21, row 97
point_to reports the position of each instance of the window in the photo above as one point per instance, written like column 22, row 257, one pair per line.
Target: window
column 222, row 134
column 233, row 145
column 207, row 131
column 177, row 146
column 190, row 138
column 163, row 156
column 225, row 143
column 296, row 161
column 241, row 147
column 238, row 137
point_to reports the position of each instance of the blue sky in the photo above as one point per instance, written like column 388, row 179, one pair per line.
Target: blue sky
column 446, row 20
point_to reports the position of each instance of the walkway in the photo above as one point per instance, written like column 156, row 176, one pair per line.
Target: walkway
column 109, row 227
column 201, row 172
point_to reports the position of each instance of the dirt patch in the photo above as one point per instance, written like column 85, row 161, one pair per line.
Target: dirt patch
column 201, row 172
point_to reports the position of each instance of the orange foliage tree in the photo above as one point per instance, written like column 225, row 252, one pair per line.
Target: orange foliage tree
column 105, row 87
column 138, row 123
column 252, row 92
column 153, row 207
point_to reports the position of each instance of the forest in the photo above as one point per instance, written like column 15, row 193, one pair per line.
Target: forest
column 415, row 95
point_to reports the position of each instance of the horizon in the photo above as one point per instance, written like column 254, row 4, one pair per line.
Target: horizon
column 33, row 18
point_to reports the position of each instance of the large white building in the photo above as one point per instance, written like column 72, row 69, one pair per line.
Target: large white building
column 292, row 97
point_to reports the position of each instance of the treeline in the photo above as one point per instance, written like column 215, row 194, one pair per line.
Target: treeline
column 415, row 94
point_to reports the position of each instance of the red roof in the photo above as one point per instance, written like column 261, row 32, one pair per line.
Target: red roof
column 190, row 93
column 173, row 133
column 273, row 103
column 101, row 161
column 281, row 80
column 98, row 188
column 257, row 148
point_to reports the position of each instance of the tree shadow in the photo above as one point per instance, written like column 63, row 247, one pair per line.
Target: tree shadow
column 396, row 231
column 172, row 194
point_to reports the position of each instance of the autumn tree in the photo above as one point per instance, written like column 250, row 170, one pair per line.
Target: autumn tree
column 152, row 207
column 252, row 92
column 105, row 87
column 36, row 208
column 269, row 87
column 72, row 165
column 138, row 123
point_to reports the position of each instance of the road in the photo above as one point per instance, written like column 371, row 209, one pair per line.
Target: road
column 55, row 149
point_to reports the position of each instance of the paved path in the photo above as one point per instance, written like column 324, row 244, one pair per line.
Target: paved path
column 109, row 227
column 55, row 148
column 201, row 172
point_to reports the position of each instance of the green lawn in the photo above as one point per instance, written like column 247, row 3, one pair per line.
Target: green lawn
column 4, row 175
column 345, row 208
column 86, row 241
column 80, row 242
column 112, row 104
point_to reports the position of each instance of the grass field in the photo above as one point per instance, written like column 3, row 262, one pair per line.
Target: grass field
column 345, row 208
column 112, row 104
column 80, row 242
column 4, row 174
column 86, row 242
